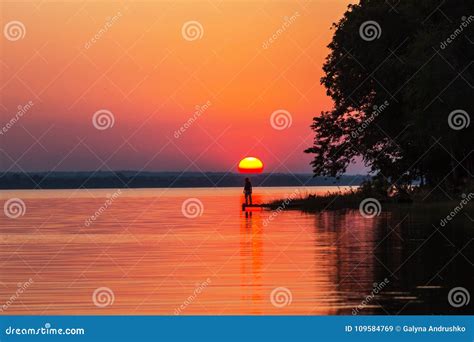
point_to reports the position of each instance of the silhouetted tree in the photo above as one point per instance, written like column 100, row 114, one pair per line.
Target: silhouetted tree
column 394, row 91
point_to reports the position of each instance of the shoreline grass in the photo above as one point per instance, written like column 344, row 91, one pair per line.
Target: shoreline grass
column 352, row 199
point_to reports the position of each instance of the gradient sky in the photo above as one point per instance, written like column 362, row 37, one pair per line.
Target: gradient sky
column 143, row 71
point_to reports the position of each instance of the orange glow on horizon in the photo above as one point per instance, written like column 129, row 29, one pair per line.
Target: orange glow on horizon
column 250, row 165
column 135, row 60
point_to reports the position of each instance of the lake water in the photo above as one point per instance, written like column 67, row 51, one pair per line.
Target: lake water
column 140, row 251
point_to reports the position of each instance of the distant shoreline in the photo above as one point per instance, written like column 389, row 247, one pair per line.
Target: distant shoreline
column 136, row 180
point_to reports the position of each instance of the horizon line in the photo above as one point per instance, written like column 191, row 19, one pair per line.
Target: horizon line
column 179, row 172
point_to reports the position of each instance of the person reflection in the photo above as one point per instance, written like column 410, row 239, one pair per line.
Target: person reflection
column 251, row 263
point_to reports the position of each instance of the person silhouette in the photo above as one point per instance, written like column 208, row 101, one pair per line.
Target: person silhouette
column 248, row 191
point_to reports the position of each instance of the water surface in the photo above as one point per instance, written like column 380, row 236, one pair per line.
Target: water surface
column 155, row 260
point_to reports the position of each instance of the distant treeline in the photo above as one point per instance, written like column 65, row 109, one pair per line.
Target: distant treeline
column 131, row 179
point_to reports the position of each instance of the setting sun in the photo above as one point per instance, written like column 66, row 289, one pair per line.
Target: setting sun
column 250, row 165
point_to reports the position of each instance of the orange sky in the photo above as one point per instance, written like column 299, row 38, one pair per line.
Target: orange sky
column 143, row 70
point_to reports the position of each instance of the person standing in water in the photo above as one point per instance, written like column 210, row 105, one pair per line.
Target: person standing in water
column 248, row 191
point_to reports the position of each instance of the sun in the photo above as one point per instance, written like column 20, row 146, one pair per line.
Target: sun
column 250, row 165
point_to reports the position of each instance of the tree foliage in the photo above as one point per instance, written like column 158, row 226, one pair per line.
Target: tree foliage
column 393, row 94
